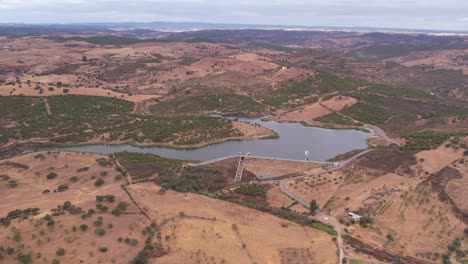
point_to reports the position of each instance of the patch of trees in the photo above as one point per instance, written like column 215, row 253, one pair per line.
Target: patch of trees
column 193, row 179
column 251, row 190
column 454, row 248
column 129, row 241
column 426, row 140
column 109, row 198
column 104, row 162
column 75, row 114
column 335, row 118
column 150, row 249
column 66, row 207
column 367, row 113
column 18, row 213
column 230, row 104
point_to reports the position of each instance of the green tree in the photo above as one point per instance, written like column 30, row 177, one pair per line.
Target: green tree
column 60, row 252
column 313, row 206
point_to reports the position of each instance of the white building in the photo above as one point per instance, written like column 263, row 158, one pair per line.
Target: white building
column 354, row 216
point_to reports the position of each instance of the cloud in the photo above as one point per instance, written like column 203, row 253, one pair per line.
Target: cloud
column 432, row 14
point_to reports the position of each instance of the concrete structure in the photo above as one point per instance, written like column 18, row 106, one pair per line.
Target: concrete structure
column 354, row 216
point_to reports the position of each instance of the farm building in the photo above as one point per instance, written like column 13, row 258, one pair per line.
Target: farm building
column 354, row 216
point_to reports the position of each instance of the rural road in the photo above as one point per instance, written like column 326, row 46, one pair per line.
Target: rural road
column 330, row 219
column 382, row 134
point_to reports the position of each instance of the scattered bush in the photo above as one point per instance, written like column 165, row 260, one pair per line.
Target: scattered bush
column 51, row 176
column 82, row 169
column 24, row 258
column 13, row 183
column 100, row 232
column 99, row 182
column 103, row 249
column 60, row 252
column 74, row 179
column 62, row 187
column 251, row 190
column 102, row 207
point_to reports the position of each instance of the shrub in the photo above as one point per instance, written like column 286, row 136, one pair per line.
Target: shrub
column 62, row 187
column 133, row 242
column 116, row 211
column 251, row 190
column 84, row 227
column 141, row 258
column 366, row 220
column 24, row 258
column 74, row 179
column 51, row 176
column 5, row 177
column 313, row 206
column 122, row 206
column 98, row 221
column 99, row 182
column 110, row 198
column 60, row 252
column 13, row 184
column 104, row 162
column 100, row 232
column 103, row 249
column 102, row 207
column 82, row 169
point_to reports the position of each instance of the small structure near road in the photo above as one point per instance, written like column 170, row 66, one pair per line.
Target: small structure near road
column 354, row 216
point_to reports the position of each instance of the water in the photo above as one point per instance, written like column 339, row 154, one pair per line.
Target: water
column 295, row 138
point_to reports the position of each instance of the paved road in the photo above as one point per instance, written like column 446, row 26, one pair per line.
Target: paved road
column 382, row 134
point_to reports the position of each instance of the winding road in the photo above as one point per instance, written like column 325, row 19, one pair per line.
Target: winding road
column 329, row 218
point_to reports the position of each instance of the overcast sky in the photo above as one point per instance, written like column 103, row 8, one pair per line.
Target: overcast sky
column 421, row 14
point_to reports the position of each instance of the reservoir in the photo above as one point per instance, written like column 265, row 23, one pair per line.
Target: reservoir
column 294, row 139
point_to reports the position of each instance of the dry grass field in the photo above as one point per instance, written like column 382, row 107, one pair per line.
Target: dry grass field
column 198, row 229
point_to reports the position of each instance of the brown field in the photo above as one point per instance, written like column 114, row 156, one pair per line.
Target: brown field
column 30, row 91
column 456, row 188
column 277, row 199
column 337, row 103
column 320, row 188
column 447, row 59
column 307, row 113
column 276, row 168
column 205, row 232
column 201, row 234
column 434, row 160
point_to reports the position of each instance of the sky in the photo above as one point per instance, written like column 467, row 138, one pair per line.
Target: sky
column 413, row 14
